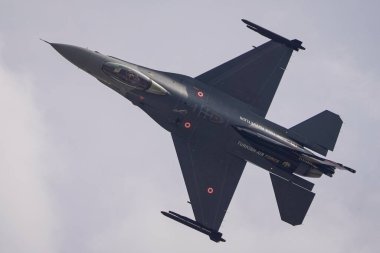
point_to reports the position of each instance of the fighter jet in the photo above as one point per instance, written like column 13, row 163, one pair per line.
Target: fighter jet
column 217, row 122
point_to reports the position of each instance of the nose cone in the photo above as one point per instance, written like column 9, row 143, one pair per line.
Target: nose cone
column 76, row 55
column 83, row 58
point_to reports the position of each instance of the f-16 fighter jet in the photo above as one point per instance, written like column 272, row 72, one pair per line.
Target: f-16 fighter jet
column 217, row 122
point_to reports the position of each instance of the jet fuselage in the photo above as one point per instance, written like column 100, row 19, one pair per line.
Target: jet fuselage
column 217, row 123
column 174, row 101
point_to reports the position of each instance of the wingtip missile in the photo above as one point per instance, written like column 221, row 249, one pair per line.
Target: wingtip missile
column 293, row 44
column 214, row 235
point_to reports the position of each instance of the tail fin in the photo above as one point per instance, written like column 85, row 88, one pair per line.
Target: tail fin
column 319, row 133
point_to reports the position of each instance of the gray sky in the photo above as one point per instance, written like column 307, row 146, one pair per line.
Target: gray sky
column 82, row 170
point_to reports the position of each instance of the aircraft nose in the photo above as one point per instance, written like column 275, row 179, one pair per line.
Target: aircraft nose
column 76, row 55
column 83, row 58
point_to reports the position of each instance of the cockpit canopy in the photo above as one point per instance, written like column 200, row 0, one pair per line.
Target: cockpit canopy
column 127, row 76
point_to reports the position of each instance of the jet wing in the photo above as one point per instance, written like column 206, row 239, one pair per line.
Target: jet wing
column 211, row 176
column 252, row 77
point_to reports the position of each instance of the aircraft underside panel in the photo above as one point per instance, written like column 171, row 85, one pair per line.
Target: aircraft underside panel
column 252, row 77
column 211, row 176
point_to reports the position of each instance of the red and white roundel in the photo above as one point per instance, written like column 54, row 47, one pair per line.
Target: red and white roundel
column 210, row 190
column 187, row 124
column 200, row 94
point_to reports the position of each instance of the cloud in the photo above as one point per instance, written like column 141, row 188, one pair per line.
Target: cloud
column 27, row 218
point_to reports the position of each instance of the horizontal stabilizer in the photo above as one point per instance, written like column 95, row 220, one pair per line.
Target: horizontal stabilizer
column 319, row 133
column 293, row 44
column 214, row 235
column 293, row 201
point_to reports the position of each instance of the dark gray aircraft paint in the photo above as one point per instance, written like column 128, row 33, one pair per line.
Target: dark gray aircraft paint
column 217, row 122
